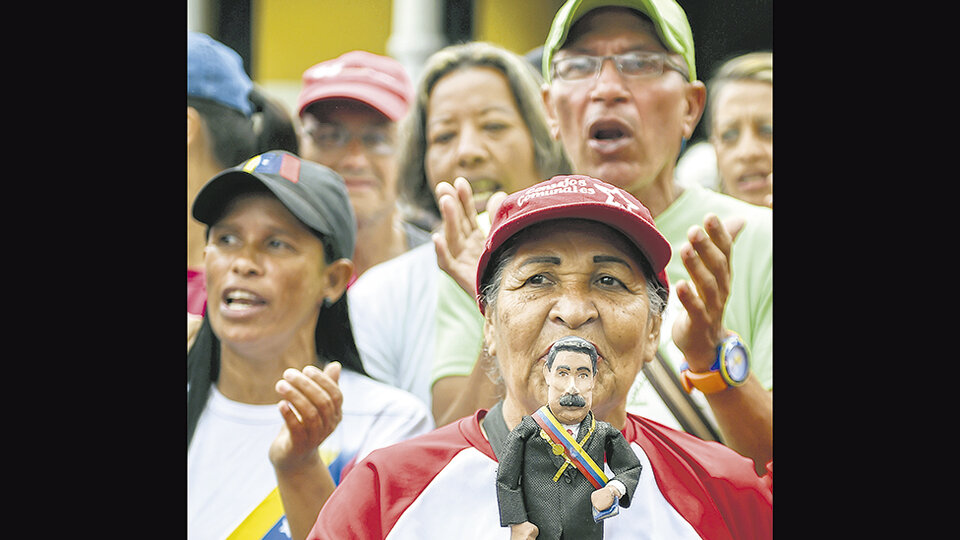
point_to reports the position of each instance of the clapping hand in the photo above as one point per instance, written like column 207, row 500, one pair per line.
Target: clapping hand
column 460, row 242
column 699, row 328
column 311, row 407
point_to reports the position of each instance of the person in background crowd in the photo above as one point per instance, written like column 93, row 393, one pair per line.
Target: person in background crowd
column 349, row 108
column 219, row 135
column 740, row 126
column 273, row 125
column 229, row 119
column 477, row 117
column 277, row 335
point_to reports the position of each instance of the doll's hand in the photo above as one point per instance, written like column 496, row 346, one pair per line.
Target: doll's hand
column 602, row 498
column 523, row 531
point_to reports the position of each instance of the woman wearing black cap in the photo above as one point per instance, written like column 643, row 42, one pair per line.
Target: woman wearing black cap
column 280, row 234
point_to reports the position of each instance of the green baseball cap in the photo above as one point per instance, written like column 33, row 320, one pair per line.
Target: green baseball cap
column 667, row 16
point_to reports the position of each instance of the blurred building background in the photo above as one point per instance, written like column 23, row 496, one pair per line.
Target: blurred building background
column 279, row 39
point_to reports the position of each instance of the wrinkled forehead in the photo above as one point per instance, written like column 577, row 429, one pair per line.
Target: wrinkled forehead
column 593, row 236
column 609, row 23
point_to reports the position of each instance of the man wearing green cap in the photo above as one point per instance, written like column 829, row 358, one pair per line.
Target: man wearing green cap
column 623, row 98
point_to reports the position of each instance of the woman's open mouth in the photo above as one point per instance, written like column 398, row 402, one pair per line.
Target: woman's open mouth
column 241, row 301
column 483, row 189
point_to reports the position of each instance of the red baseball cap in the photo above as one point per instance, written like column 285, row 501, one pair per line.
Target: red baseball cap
column 577, row 197
column 378, row 81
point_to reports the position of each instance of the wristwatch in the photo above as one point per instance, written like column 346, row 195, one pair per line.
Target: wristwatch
column 730, row 368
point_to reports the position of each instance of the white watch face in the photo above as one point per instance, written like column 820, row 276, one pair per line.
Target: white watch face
column 736, row 364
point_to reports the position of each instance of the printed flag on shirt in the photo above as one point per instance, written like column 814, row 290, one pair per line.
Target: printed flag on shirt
column 267, row 521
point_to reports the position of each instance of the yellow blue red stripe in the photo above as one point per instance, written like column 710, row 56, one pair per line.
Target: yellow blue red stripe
column 574, row 452
column 268, row 521
column 285, row 165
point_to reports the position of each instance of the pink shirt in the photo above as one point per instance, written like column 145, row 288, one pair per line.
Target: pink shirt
column 196, row 292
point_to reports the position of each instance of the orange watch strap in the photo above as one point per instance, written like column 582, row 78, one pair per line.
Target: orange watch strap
column 708, row 383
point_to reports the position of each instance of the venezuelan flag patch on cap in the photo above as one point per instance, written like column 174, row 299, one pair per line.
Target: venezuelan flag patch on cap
column 285, row 165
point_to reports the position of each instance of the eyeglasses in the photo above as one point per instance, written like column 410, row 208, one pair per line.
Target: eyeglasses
column 634, row 64
column 332, row 137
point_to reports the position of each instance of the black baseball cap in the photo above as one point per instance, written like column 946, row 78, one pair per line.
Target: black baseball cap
column 315, row 194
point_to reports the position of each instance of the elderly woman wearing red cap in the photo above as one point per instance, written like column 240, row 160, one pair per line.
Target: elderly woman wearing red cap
column 569, row 256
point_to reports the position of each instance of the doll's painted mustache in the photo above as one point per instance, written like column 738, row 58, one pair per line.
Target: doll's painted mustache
column 572, row 400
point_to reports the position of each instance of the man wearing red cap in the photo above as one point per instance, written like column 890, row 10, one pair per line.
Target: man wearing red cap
column 571, row 256
column 349, row 107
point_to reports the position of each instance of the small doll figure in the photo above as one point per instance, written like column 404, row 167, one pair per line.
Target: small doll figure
column 550, row 480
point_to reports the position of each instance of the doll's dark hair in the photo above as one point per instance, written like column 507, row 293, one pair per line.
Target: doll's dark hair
column 575, row 344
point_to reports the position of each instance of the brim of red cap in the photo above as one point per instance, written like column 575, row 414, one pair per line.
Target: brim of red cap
column 642, row 233
column 390, row 104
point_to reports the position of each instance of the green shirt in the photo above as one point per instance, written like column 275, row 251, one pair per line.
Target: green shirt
column 749, row 309
column 459, row 325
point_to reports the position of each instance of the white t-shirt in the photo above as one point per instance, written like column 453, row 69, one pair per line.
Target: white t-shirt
column 228, row 469
column 392, row 311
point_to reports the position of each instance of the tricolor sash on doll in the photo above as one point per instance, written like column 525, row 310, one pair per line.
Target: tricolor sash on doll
column 571, row 448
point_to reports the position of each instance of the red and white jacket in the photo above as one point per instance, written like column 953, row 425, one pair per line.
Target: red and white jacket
column 443, row 485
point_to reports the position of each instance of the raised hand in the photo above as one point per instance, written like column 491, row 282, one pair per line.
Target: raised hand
column 460, row 244
column 706, row 256
column 311, row 407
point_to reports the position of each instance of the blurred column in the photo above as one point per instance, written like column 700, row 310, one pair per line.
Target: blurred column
column 416, row 33
column 198, row 16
